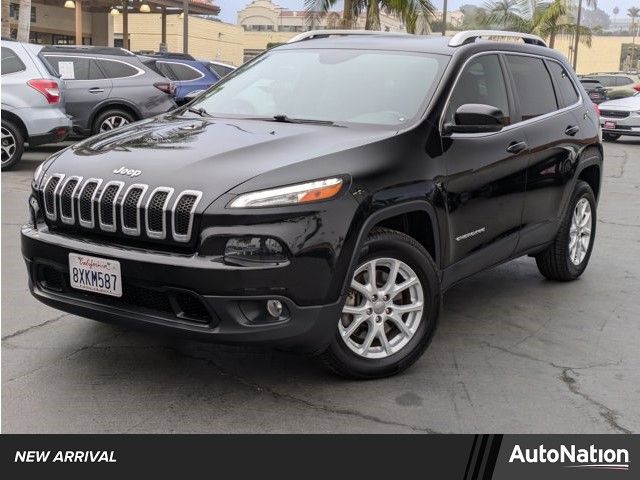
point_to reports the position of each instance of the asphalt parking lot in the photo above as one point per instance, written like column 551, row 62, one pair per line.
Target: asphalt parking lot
column 514, row 353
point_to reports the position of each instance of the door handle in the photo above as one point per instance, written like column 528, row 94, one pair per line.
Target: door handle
column 96, row 90
column 571, row 130
column 516, row 147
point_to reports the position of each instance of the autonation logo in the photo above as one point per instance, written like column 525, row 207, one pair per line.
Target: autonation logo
column 573, row 457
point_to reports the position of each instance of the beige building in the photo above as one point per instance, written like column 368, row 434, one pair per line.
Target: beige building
column 604, row 55
column 267, row 16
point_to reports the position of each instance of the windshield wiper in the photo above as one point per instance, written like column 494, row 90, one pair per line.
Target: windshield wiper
column 285, row 119
column 199, row 111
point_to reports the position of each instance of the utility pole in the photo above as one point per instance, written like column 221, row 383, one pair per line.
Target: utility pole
column 185, row 26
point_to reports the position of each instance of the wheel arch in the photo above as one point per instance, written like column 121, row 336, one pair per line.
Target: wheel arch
column 416, row 218
column 115, row 104
column 13, row 118
column 590, row 168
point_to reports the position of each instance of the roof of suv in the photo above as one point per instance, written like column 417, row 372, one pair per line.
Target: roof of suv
column 88, row 50
column 461, row 42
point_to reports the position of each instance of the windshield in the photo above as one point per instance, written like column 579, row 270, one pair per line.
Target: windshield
column 334, row 85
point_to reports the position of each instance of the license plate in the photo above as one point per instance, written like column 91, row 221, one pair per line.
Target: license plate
column 610, row 125
column 95, row 274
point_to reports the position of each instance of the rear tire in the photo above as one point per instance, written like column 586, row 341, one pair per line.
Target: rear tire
column 568, row 256
column 110, row 120
column 396, row 322
column 12, row 145
column 610, row 137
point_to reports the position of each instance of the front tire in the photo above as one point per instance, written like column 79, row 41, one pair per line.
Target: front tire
column 12, row 145
column 610, row 137
column 391, row 310
column 568, row 256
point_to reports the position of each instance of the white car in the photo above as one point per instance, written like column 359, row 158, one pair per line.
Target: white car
column 620, row 117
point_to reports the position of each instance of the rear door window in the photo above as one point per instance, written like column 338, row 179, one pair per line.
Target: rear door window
column 117, row 69
column 75, row 68
column 482, row 82
column 534, row 89
column 567, row 94
column 622, row 81
column 220, row 70
column 180, row 72
column 11, row 63
column 166, row 71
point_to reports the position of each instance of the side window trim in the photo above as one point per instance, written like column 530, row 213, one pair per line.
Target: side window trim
column 559, row 95
column 546, row 115
column 96, row 60
column 514, row 113
column 139, row 71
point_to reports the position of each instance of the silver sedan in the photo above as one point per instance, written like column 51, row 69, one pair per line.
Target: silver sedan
column 620, row 117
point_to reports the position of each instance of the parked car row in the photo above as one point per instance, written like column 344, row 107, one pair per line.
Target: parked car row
column 614, row 84
column 52, row 91
column 620, row 117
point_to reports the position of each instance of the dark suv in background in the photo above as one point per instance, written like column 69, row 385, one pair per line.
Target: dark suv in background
column 106, row 88
column 325, row 195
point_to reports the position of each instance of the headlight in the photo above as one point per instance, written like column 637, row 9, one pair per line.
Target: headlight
column 37, row 176
column 290, row 195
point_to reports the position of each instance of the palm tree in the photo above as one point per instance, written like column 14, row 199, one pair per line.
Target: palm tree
column 589, row 3
column 444, row 17
column 633, row 12
column 24, row 21
column 406, row 10
column 554, row 19
column 506, row 14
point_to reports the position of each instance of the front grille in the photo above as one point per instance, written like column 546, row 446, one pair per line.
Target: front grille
column 50, row 204
column 108, row 207
column 613, row 114
column 183, row 213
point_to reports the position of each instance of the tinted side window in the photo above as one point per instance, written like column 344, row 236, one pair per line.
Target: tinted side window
column 622, row 81
column 11, row 63
column 113, row 69
column 606, row 80
column 220, row 70
column 533, row 86
column 165, row 70
column 564, row 85
column 481, row 81
column 184, row 72
column 75, row 68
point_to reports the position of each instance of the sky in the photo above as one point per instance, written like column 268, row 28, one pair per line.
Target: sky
column 229, row 8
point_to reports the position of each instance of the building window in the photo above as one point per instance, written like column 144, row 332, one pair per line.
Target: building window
column 14, row 10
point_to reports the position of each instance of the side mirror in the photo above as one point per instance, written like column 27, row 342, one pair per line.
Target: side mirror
column 476, row 118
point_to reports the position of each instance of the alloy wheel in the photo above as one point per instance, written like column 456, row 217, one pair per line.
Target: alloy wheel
column 580, row 231
column 113, row 122
column 383, row 309
column 8, row 145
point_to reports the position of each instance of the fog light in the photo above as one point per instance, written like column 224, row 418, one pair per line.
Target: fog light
column 274, row 307
column 254, row 249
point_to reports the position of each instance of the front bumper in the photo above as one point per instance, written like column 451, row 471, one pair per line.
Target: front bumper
column 165, row 291
column 623, row 126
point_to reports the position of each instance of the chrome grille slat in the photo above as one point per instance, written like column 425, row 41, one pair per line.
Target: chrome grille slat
column 67, row 199
column 156, row 209
column 107, row 206
column 49, row 193
column 86, row 199
column 183, row 213
column 130, row 209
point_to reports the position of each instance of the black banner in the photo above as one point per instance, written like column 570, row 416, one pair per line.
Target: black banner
column 460, row 457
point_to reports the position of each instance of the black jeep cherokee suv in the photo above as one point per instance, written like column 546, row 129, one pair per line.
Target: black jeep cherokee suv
column 325, row 195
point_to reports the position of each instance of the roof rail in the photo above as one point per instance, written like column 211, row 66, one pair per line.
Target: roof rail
column 88, row 49
column 330, row 33
column 470, row 36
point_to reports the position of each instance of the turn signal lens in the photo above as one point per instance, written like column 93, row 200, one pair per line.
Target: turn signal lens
column 291, row 195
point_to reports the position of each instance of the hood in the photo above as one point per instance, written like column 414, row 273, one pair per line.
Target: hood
column 205, row 154
column 627, row 104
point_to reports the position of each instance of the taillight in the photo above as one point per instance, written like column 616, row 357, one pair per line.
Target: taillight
column 48, row 88
column 636, row 87
column 169, row 88
column 597, row 109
